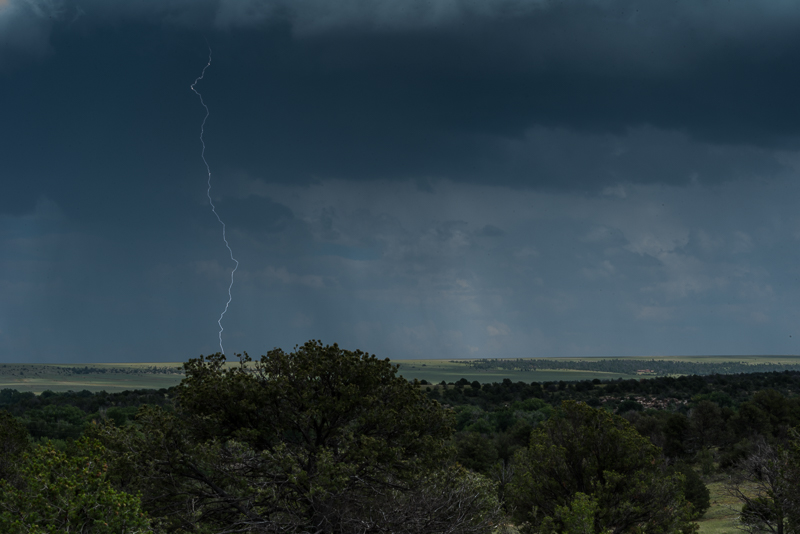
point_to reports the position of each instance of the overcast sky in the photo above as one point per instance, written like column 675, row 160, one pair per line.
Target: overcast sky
column 413, row 178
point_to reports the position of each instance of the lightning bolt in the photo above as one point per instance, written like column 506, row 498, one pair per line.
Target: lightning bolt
column 210, row 201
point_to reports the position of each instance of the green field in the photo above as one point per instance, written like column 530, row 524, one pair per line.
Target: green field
column 721, row 516
column 108, row 376
column 122, row 376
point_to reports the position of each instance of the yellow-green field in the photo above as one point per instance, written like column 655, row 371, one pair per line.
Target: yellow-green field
column 720, row 517
column 122, row 376
column 63, row 377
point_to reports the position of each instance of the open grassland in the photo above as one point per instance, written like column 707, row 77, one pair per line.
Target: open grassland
column 721, row 516
column 93, row 377
column 555, row 369
column 123, row 376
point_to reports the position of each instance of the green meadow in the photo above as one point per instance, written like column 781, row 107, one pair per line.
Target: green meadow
column 110, row 377
column 721, row 516
column 123, row 376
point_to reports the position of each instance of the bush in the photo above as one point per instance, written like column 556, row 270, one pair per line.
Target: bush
column 581, row 450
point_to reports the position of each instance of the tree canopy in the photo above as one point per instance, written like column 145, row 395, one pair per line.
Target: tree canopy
column 585, row 464
column 318, row 440
column 14, row 440
column 54, row 492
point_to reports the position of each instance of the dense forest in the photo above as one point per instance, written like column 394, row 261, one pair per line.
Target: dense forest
column 327, row 440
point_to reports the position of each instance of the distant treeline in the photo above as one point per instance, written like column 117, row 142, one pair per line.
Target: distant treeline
column 87, row 370
column 628, row 366
column 64, row 416
column 710, row 418
column 674, row 391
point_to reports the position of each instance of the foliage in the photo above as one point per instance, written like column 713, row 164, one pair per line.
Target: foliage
column 766, row 483
column 14, row 440
column 64, row 416
column 56, row 422
column 447, row 500
column 578, row 517
column 694, row 490
column 318, row 440
column 582, row 450
column 58, row 493
column 791, row 481
column 714, row 422
column 476, row 451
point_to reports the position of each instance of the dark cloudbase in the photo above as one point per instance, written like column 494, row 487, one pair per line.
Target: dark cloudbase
column 423, row 177
column 463, row 91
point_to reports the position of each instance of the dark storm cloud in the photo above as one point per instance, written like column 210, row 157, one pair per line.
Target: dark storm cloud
column 409, row 177
column 257, row 214
column 554, row 94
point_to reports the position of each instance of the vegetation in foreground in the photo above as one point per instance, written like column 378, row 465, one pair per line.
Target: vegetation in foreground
column 333, row 441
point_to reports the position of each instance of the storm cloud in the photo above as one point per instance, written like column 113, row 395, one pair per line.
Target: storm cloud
column 419, row 178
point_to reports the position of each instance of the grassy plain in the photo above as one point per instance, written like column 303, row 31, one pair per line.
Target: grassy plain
column 122, row 376
column 452, row 370
column 721, row 516
column 108, row 376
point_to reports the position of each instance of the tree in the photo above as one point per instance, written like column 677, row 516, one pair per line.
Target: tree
column 582, row 451
column 55, row 422
column 705, row 425
column 694, row 490
column 14, row 440
column 791, row 481
column 58, row 493
column 450, row 500
column 576, row 518
column 759, row 482
column 318, row 440
column 475, row 451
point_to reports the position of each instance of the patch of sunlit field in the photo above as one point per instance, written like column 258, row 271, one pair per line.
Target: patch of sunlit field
column 72, row 377
column 721, row 516
column 148, row 375
column 125, row 376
